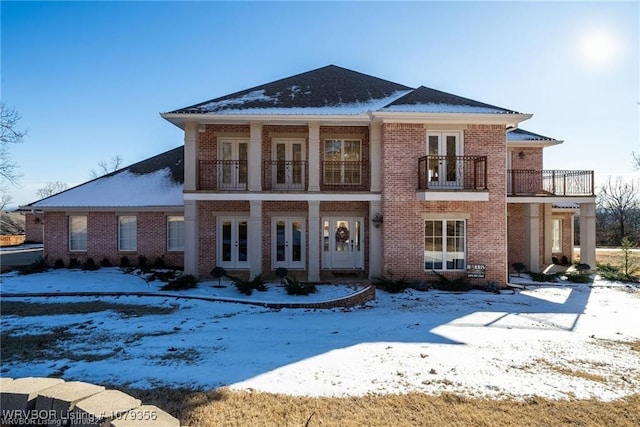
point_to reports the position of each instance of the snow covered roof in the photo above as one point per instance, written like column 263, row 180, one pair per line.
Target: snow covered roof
column 337, row 90
column 524, row 135
column 157, row 181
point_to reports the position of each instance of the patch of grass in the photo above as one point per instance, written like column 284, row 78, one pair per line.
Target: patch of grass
column 226, row 407
column 18, row 308
column 572, row 372
column 188, row 356
column 27, row 347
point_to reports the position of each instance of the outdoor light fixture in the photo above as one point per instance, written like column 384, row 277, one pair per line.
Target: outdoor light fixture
column 377, row 220
column 521, row 154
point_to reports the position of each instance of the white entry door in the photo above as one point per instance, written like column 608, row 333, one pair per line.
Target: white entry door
column 288, row 245
column 343, row 243
column 233, row 242
column 444, row 170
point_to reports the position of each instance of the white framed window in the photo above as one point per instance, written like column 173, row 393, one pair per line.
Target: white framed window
column 175, row 233
column 444, row 244
column 342, row 162
column 556, row 235
column 77, row 233
column 127, row 233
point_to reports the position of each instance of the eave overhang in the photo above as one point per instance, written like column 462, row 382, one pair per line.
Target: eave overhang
column 450, row 118
column 180, row 119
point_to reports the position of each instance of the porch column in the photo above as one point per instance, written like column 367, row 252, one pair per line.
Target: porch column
column 588, row 234
column 314, row 157
column 254, row 180
column 191, row 240
column 375, row 241
column 190, row 156
column 532, row 236
column 548, row 233
column 255, row 237
column 313, row 263
column 375, row 156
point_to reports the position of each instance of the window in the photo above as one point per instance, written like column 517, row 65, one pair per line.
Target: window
column 556, row 236
column 175, row 233
column 342, row 162
column 127, row 233
column 444, row 245
column 77, row 233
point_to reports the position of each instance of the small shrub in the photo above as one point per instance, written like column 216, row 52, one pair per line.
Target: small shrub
column 74, row 263
column 105, row 263
column 543, row 277
column 459, row 284
column 295, row 287
column 519, row 267
column 160, row 262
column 125, row 262
column 142, row 263
column 615, row 274
column 388, row 284
column 58, row 264
column 579, row 278
column 258, row 283
column 281, row 272
column 89, row 265
column 218, row 273
column 181, row 283
column 244, row 286
column 38, row 266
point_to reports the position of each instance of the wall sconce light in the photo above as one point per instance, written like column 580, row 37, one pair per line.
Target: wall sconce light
column 202, row 128
column 521, row 154
column 377, row 220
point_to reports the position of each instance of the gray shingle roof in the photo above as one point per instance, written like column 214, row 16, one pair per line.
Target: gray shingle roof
column 524, row 135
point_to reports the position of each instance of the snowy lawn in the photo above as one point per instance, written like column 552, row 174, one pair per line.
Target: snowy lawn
column 552, row 340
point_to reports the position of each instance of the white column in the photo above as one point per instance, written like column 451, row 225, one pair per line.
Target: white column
column 255, row 157
column 255, row 237
column 375, row 241
column 548, row 233
column 375, row 156
column 190, row 156
column 314, row 157
column 532, row 236
column 313, row 263
column 191, row 238
column 588, row 234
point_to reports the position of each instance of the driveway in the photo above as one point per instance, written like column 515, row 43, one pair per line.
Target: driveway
column 19, row 256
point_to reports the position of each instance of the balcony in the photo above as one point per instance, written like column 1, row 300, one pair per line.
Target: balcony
column 222, row 175
column 452, row 173
column 344, row 176
column 544, row 183
column 284, row 175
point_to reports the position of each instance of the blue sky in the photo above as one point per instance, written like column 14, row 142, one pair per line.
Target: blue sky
column 90, row 78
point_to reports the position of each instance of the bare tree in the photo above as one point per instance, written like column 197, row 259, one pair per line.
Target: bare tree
column 51, row 188
column 105, row 167
column 9, row 134
column 619, row 201
column 636, row 159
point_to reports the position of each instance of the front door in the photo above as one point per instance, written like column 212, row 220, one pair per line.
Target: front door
column 444, row 170
column 288, row 246
column 233, row 242
column 343, row 243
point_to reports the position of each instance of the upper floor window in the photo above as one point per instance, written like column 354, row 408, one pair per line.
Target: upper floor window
column 78, row 233
column 127, row 233
column 342, row 161
column 175, row 233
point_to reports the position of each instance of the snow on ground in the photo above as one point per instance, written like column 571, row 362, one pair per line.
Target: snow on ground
column 552, row 340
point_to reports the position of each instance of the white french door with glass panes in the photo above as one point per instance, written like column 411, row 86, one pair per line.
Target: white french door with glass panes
column 232, row 165
column 233, row 242
column 342, row 162
column 288, row 245
column 342, row 243
column 443, row 169
column 444, row 244
column 288, row 167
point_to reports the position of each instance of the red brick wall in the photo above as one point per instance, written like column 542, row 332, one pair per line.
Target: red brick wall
column 403, row 229
column 102, row 238
column 532, row 158
column 33, row 228
column 515, row 231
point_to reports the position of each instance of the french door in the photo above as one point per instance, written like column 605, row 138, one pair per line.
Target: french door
column 444, row 169
column 288, row 171
column 342, row 243
column 233, row 242
column 288, row 243
column 232, row 165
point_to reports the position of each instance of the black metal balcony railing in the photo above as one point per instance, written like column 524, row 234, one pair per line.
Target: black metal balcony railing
column 526, row 182
column 284, row 175
column 345, row 176
column 452, row 173
column 229, row 175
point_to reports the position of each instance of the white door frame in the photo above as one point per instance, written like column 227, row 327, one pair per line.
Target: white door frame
column 236, row 258
column 291, row 258
column 345, row 255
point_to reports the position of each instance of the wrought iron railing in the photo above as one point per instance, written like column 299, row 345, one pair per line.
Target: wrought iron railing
column 527, row 182
column 452, row 173
column 284, row 175
column 220, row 175
column 345, row 176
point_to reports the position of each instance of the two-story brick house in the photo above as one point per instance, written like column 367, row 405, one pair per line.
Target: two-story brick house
column 333, row 171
